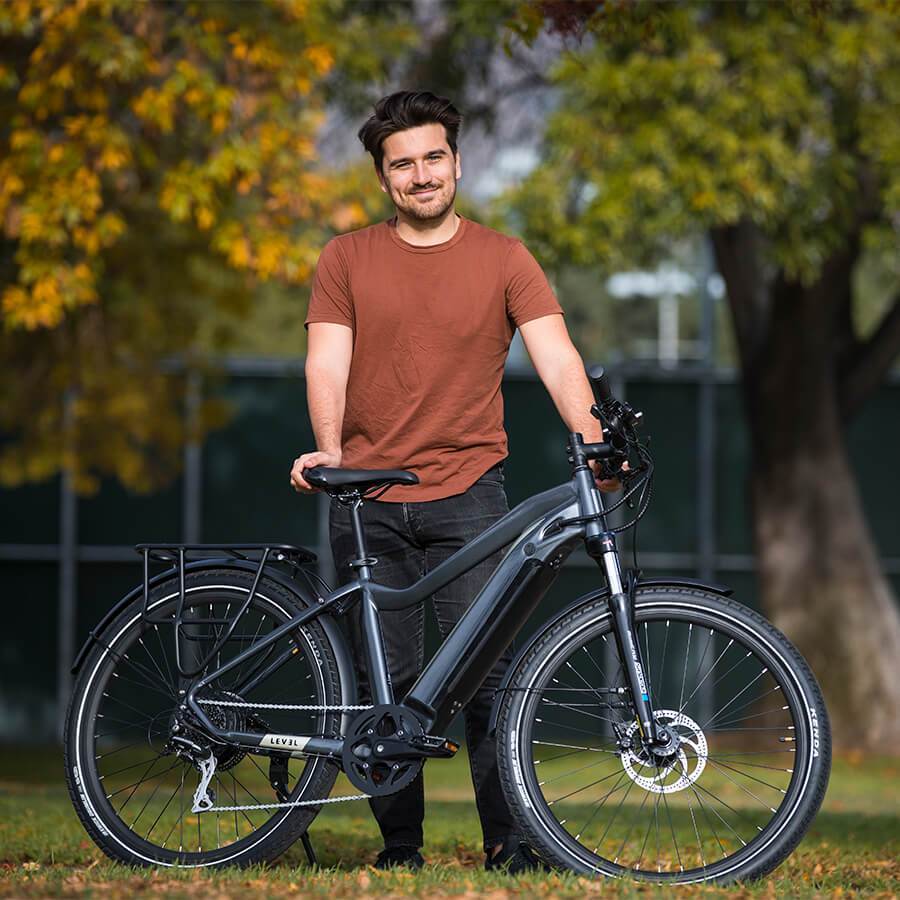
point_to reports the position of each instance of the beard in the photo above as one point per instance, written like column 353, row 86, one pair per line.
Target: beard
column 436, row 207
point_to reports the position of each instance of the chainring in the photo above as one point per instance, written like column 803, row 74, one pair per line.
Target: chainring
column 367, row 759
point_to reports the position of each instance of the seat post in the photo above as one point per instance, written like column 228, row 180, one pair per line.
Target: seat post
column 373, row 641
column 359, row 538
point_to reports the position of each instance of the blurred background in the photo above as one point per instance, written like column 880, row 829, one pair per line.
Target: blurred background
column 712, row 188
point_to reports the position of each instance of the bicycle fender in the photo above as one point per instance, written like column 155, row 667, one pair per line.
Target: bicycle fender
column 598, row 594
column 304, row 594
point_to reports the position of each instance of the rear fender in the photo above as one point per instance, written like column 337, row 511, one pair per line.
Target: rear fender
column 599, row 594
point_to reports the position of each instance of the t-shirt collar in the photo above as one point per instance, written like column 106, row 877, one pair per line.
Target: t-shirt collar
column 433, row 248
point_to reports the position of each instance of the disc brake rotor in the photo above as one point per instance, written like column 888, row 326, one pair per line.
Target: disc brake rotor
column 677, row 771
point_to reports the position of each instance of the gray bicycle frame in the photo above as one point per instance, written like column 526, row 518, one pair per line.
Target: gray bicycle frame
column 542, row 532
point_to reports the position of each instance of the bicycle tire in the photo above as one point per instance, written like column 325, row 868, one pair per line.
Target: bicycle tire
column 121, row 710
column 788, row 741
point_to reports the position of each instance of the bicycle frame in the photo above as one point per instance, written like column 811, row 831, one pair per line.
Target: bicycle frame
column 542, row 531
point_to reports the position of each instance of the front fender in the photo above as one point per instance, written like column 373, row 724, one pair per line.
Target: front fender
column 598, row 594
column 302, row 591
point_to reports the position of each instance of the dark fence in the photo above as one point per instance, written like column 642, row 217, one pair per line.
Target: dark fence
column 65, row 560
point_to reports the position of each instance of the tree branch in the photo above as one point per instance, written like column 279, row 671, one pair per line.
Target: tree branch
column 869, row 364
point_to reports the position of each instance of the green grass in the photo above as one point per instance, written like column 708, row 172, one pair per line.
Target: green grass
column 852, row 849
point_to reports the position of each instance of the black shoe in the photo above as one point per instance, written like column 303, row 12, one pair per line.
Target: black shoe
column 515, row 858
column 393, row 857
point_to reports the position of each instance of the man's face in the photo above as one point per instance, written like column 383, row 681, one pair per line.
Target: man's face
column 419, row 172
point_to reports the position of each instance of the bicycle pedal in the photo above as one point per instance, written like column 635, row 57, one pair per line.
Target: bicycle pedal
column 433, row 746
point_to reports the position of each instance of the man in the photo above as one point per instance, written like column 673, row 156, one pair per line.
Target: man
column 409, row 324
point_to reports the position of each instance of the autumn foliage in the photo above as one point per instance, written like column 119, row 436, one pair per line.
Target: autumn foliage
column 156, row 160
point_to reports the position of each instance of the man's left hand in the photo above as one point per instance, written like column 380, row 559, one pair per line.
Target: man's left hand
column 607, row 485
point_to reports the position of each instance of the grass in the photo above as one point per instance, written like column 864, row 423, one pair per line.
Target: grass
column 851, row 850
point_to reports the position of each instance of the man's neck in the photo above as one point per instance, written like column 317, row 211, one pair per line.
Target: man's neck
column 427, row 233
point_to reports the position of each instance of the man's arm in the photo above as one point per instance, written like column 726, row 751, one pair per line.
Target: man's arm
column 561, row 369
column 329, row 352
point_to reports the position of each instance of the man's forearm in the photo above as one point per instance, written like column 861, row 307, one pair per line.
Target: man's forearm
column 326, row 396
column 571, row 391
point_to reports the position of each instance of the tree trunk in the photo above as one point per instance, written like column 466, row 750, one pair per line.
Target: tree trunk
column 820, row 577
column 821, row 582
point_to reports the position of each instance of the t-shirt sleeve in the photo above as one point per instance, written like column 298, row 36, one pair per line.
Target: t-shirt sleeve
column 528, row 293
column 331, row 300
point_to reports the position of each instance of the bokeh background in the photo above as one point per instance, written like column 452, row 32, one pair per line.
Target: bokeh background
column 712, row 188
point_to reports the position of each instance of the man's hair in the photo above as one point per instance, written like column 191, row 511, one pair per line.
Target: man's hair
column 408, row 109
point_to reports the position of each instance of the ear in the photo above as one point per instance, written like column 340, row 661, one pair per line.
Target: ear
column 458, row 166
column 380, row 176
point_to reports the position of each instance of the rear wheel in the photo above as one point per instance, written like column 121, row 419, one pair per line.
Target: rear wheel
column 743, row 775
column 134, row 793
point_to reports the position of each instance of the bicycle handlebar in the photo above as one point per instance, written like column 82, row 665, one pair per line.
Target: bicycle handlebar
column 600, row 384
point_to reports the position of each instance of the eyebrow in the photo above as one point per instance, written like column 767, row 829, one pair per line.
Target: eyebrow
column 436, row 152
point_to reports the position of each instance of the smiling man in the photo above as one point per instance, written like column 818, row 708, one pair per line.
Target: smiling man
column 410, row 323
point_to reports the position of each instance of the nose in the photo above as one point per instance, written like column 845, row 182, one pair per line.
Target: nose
column 422, row 175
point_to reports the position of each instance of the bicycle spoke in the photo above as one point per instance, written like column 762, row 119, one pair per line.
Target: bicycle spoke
column 687, row 656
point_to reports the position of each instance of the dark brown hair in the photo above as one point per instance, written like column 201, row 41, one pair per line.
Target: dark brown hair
column 408, row 109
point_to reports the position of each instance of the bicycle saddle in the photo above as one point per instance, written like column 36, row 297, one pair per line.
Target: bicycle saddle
column 363, row 479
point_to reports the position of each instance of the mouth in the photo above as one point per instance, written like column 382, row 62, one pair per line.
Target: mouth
column 429, row 192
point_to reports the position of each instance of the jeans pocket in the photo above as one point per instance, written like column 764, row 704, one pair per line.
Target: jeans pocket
column 490, row 496
column 494, row 476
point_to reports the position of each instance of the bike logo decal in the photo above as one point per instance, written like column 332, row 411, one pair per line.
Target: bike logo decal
column 284, row 742
column 640, row 673
column 815, row 732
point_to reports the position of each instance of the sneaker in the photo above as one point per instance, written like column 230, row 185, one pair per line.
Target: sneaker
column 514, row 859
column 393, row 857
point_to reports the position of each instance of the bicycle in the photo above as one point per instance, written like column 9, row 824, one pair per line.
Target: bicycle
column 654, row 728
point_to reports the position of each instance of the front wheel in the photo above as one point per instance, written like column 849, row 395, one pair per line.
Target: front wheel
column 749, row 745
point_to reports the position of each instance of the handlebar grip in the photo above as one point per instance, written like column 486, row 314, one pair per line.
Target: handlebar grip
column 600, row 383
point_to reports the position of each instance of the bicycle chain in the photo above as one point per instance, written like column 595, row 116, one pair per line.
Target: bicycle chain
column 300, row 707
column 287, row 805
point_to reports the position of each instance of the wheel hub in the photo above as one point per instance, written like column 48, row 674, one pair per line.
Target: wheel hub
column 673, row 764
column 186, row 730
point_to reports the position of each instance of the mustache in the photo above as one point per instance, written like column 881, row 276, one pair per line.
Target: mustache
column 421, row 190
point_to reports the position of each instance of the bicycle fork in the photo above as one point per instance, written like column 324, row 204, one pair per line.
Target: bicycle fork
column 600, row 544
column 621, row 606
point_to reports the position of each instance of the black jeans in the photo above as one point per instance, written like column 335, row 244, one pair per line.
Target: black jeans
column 410, row 539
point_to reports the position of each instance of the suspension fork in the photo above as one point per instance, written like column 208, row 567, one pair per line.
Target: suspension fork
column 600, row 544
column 621, row 606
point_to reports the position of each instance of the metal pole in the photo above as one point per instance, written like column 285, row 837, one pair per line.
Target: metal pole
column 706, row 431
column 68, row 575
column 193, row 462
column 706, row 453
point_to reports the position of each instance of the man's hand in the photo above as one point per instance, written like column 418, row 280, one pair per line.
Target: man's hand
column 307, row 461
column 607, row 485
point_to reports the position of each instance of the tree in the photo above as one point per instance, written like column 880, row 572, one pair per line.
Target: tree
column 773, row 128
column 157, row 162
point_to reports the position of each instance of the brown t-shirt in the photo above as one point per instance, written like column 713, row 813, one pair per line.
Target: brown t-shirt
column 431, row 332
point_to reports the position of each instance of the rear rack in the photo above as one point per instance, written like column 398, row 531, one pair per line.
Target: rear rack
column 179, row 555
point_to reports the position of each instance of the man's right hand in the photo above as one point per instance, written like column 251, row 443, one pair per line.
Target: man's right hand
column 307, row 461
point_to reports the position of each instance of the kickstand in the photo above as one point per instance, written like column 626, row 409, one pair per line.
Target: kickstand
column 278, row 777
column 308, row 847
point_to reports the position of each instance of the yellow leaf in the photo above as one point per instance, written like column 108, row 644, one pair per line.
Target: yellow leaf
column 321, row 58
column 204, row 217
